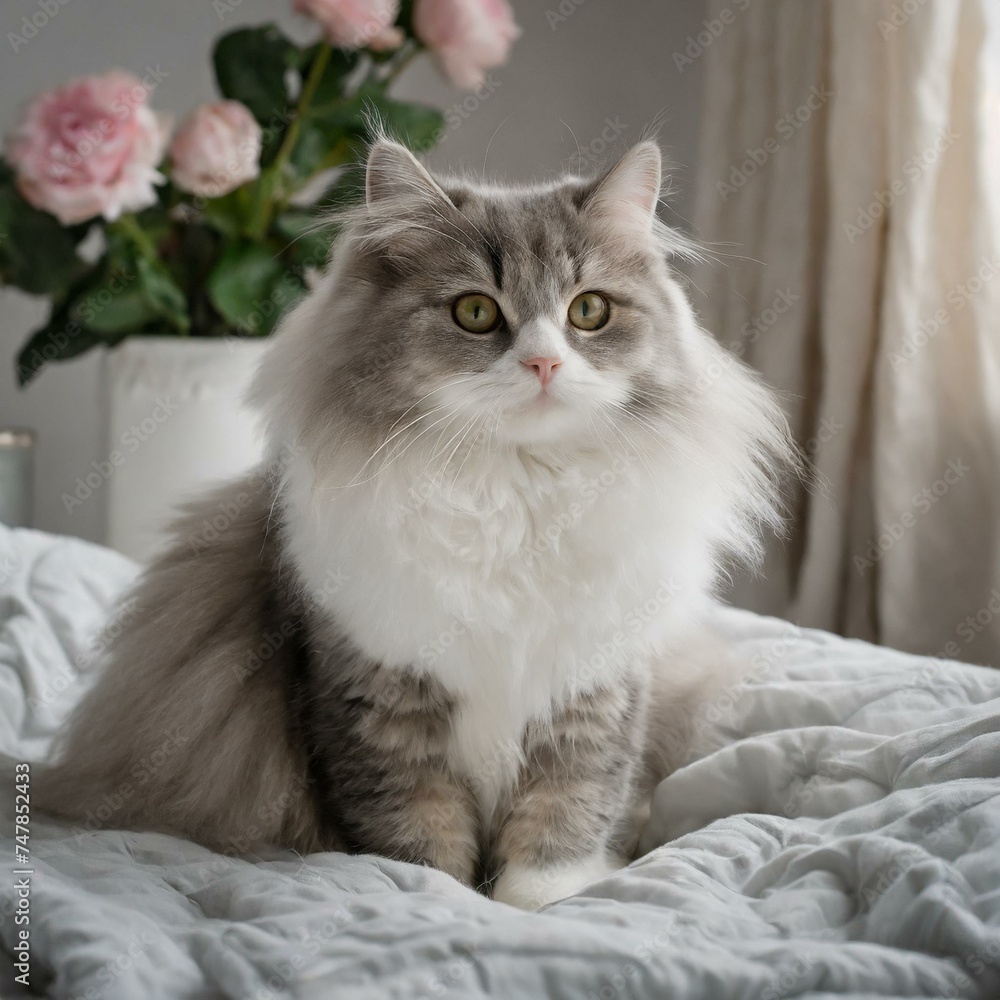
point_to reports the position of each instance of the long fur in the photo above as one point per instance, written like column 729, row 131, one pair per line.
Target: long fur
column 464, row 585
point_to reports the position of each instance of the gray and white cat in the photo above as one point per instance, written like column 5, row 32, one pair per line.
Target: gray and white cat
column 442, row 623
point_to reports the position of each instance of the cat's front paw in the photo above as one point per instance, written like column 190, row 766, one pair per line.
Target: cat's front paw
column 530, row 887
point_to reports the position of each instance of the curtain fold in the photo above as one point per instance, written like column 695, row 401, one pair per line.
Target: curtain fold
column 848, row 184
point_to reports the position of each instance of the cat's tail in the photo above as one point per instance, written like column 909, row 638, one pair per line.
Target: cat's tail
column 186, row 729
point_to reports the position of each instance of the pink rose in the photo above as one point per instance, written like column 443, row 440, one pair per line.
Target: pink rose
column 355, row 24
column 468, row 36
column 89, row 148
column 216, row 149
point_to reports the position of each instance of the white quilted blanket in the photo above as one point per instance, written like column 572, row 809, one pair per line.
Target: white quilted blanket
column 844, row 841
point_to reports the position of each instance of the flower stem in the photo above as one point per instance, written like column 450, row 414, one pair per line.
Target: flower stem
column 271, row 182
column 129, row 225
column 316, row 72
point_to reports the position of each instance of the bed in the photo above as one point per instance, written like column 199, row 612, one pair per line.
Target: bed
column 842, row 839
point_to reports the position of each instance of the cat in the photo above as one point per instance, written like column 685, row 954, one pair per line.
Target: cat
column 442, row 622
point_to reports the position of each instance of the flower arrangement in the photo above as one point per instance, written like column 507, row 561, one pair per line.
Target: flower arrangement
column 213, row 229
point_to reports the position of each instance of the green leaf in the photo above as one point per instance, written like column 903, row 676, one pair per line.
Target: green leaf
column 230, row 213
column 330, row 89
column 321, row 147
column 115, row 304
column 37, row 253
column 250, row 66
column 416, row 125
column 130, row 295
column 162, row 293
column 251, row 288
column 60, row 339
column 340, row 134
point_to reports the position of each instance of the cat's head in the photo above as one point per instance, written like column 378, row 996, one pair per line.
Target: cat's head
column 458, row 313
column 537, row 312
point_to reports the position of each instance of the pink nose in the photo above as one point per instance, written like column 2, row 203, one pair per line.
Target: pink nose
column 545, row 368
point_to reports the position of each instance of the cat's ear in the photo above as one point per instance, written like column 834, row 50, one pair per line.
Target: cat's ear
column 394, row 172
column 627, row 194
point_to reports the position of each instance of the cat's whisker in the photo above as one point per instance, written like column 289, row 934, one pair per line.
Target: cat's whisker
column 389, row 440
column 439, row 475
column 461, row 379
column 622, row 436
column 469, row 426
column 416, row 420
column 488, row 447
column 406, row 446
column 410, row 444
column 436, row 450
column 471, row 449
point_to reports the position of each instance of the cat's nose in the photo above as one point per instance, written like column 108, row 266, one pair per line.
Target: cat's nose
column 545, row 368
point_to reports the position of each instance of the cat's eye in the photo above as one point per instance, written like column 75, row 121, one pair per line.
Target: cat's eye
column 476, row 313
column 589, row 311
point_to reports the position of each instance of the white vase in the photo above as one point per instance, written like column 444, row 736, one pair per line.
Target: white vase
column 175, row 423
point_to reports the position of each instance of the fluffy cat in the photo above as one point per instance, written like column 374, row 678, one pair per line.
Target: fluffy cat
column 505, row 468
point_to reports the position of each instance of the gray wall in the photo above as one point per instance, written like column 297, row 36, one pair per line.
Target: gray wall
column 605, row 70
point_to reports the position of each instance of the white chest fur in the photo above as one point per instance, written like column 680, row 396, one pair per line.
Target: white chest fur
column 517, row 586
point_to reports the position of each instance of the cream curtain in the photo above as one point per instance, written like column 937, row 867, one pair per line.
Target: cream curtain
column 849, row 180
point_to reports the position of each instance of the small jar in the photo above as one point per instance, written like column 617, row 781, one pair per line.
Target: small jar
column 17, row 477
